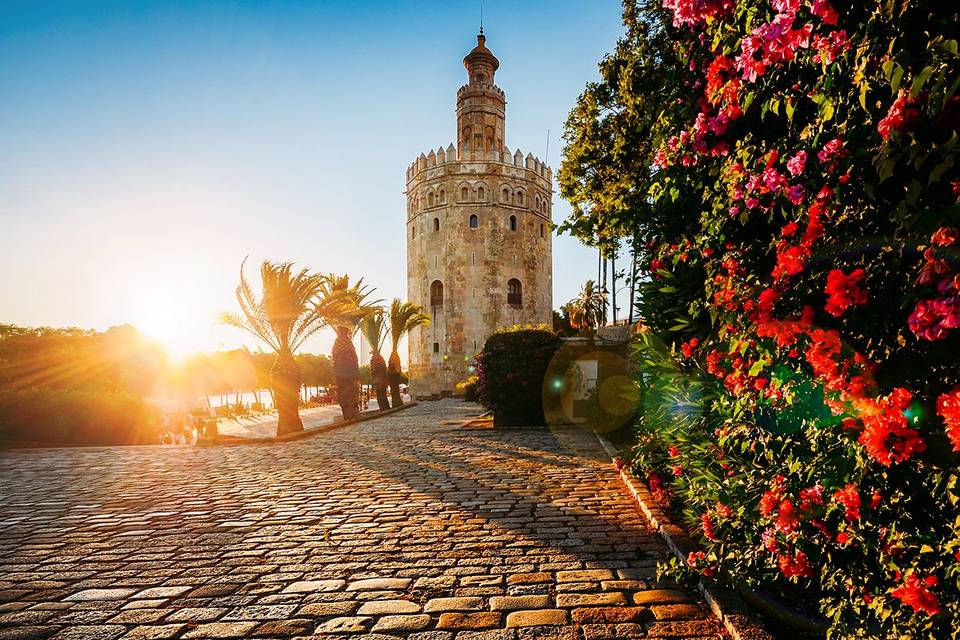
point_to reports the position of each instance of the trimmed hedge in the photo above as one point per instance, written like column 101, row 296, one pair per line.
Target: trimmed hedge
column 77, row 418
column 511, row 370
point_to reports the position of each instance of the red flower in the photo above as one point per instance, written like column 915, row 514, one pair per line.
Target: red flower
column 811, row 497
column 678, row 470
column 673, row 451
column 849, row 497
column 844, row 290
column 689, row 346
column 723, row 510
column 948, row 408
column 769, row 540
column 843, row 537
column 886, row 436
column 914, row 593
column 903, row 112
column 796, row 566
column 829, row 47
column 618, row 463
column 945, row 236
column 787, row 519
column 706, row 524
column 797, row 163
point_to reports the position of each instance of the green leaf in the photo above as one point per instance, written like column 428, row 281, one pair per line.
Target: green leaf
column 920, row 80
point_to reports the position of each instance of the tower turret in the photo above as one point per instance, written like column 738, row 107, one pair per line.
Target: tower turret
column 481, row 107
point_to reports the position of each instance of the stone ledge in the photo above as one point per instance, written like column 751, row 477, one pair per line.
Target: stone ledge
column 309, row 433
column 726, row 605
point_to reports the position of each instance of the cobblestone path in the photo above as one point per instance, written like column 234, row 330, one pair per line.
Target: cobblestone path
column 403, row 527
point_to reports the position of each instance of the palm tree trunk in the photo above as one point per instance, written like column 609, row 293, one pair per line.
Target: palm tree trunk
column 285, row 381
column 346, row 369
column 393, row 375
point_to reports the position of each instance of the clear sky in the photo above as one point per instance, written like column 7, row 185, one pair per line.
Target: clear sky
column 147, row 147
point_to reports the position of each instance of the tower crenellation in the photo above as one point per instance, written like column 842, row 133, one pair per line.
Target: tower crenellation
column 479, row 235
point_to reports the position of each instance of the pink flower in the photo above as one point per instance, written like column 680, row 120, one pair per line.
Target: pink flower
column 830, row 46
column 797, row 163
column 825, row 11
column 796, row 194
column 833, row 149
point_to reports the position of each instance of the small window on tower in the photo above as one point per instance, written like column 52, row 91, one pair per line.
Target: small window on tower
column 514, row 292
column 436, row 224
column 443, row 196
column 519, row 197
column 430, row 199
column 413, row 232
column 474, row 221
column 436, row 294
column 481, row 194
column 436, row 347
column 513, row 223
column 505, row 196
column 463, row 194
column 541, row 231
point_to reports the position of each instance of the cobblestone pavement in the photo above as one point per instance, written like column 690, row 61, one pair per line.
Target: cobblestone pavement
column 403, row 527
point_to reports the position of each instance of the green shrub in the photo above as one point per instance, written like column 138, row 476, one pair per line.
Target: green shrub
column 77, row 417
column 511, row 370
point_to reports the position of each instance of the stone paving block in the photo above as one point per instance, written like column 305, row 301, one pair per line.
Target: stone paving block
column 220, row 630
column 154, row 632
column 329, row 608
column 91, row 632
column 516, row 603
column 100, row 594
column 480, row 620
column 454, row 604
column 529, row 578
column 403, row 623
column 312, row 586
column 537, row 618
column 661, row 596
column 685, row 629
column 585, row 575
column 27, row 632
column 677, row 611
column 346, row 624
column 604, row 599
column 162, row 592
column 387, row 607
column 613, row 631
column 284, row 628
column 378, row 584
column 604, row 615
column 196, row 614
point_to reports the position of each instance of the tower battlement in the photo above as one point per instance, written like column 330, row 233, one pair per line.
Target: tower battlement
column 516, row 158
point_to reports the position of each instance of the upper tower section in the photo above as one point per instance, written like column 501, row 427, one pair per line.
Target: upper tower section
column 481, row 107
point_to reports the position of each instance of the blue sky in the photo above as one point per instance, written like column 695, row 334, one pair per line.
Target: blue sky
column 147, row 147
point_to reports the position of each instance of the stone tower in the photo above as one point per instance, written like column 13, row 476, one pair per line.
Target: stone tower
column 478, row 236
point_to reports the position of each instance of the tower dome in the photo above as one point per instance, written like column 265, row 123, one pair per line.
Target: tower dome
column 481, row 64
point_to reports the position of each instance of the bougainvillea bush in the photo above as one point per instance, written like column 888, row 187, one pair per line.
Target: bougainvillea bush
column 788, row 173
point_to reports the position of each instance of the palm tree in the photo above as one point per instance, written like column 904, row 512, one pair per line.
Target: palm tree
column 283, row 317
column 587, row 309
column 344, row 306
column 374, row 329
column 404, row 316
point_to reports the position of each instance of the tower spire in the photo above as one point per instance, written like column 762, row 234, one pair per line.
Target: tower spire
column 481, row 18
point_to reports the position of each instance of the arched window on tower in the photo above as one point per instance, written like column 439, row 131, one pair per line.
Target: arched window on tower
column 513, row 223
column 443, row 196
column 474, row 221
column 463, row 194
column 481, row 194
column 514, row 292
column 430, row 199
column 541, row 231
column 436, row 224
column 505, row 196
column 519, row 197
column 413, row 232
column 436, row 294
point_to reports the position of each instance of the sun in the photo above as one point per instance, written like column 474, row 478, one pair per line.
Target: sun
column 165, row 314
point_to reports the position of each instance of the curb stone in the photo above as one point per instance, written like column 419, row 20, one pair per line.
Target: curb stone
column 725, row 604
column 309, row 433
